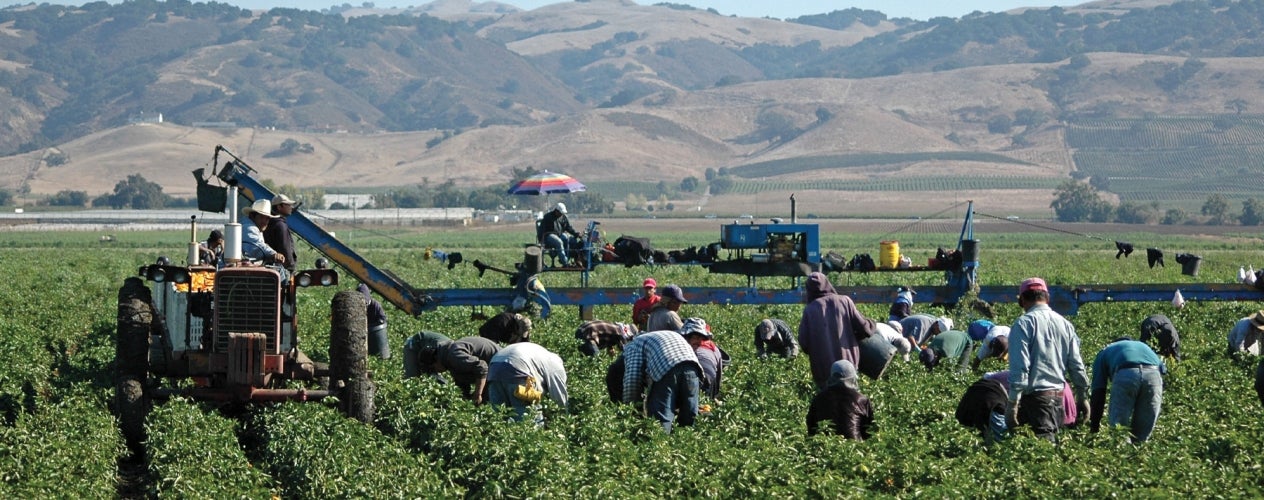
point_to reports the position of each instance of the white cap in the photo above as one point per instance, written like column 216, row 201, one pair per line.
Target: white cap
column 561, row 207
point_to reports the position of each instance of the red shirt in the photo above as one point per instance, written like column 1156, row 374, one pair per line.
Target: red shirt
column 641, row 309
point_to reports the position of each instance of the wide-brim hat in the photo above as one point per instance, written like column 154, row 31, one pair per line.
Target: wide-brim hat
column 1257, row 320
column 263, row 207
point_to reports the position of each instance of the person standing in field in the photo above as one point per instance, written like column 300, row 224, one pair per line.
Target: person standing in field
column 666, row 363
column 665, row 315
column 831, row 328
column 1043, row 351
column 1135, row 376
column 840, row 408
column 641, row 308
column 277, row 234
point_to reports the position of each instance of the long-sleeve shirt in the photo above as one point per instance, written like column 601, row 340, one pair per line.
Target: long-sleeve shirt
column 1043, row 351
column 649, row 356
column 252, row 244
column 828, row 332
column 1244, row 337
column 917, row 328
column 954, row 346
column 529, row 359
column 467, row 360
column 278, row 236
column 1120, row 354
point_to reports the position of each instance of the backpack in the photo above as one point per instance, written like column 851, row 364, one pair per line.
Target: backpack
column 862, row 262
column 633, row 251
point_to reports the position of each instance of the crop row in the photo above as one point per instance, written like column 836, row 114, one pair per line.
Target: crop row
column 1164, row 133
column 901, row 183
column 429, row 442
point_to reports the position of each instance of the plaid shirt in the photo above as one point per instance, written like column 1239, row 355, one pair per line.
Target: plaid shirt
column 649, row 357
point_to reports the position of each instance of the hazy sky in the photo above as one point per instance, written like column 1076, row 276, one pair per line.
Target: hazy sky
column 781, row 9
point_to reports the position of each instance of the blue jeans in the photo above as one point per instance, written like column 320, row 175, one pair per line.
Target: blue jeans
column 501, row 393
column 1136, row 394
column 675, row 396
column 559, row 245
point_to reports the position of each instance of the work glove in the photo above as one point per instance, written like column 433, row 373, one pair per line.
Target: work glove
column 1011, row 415
column 1081, row 410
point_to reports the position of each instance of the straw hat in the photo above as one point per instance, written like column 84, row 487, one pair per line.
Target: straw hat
column 263, row 207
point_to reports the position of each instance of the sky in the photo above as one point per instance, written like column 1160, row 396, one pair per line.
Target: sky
column 781, row 9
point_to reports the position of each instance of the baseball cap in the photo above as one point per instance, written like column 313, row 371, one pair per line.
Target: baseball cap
column 979, row 328
column 673, row 292
column 282, row 199
column 649, row 282
column 928, row 358
column 1032, row 284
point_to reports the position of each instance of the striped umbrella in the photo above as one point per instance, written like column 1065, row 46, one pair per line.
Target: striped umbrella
column 547, row 183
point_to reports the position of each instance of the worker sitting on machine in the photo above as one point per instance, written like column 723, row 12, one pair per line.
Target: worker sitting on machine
column 554, row 232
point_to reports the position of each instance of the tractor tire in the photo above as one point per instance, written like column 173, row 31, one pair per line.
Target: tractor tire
column 135, row 324
column 132, row 405
column 349, row 356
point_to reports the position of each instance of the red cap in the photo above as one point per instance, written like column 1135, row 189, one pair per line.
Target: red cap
column 650, row 282
column 1032, row 284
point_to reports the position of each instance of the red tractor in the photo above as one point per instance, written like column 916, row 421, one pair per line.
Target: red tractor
column 232, row 333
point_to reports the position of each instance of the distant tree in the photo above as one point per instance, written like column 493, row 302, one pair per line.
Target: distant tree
column 133, row 192
column 1130, row 212
column 1000, row 124
column 721, row 185
column 709, row 174
column 6, row 197
column 689, row 184
column 68, row 198
column 634, row 202
column 1075, row 201
column 662, row 188
column 1216, row 209
column 56, row 159
column 1238, row 106
column 1174, row 216
column 1252, row 212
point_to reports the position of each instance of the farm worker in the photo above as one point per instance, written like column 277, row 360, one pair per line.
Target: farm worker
column 1070, row 411
column 553, row 231
column 994, row 345
column 641, row 308
column 841, row 405
column 506, row 328
column 1245, row 335
column 919, row 328
column 379, row 342
column 665, row 362
column 257, row 218
column 903, row 305
column 1159, row 328
column 665, row 314
column 466, row 359
column 1043, row 351
column 521, row 374
column 277, row 234
column 1135, row 376
column 773, row 336
column 953, row 346
column 982, row 407
column 831, row 328
column 711, row 358
column 420, row 351
column 211, row 250
column 893, row 332
column 597, row 335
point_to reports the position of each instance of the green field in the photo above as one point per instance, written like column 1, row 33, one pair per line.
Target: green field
column 58, row 439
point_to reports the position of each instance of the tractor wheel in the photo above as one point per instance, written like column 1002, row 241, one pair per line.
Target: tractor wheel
column 349, row 355
column 132, row 406
column 135, row 323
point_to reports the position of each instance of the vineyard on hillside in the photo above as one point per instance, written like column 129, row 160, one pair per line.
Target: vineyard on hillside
column 1175, row 160
column 58, row 437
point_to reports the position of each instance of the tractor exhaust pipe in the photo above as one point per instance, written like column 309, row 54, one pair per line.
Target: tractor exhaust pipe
column 793, row 218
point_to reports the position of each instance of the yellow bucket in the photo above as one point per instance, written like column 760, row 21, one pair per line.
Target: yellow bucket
column 889, row 257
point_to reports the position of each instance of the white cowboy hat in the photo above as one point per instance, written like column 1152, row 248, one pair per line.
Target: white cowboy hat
column 261, row 207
